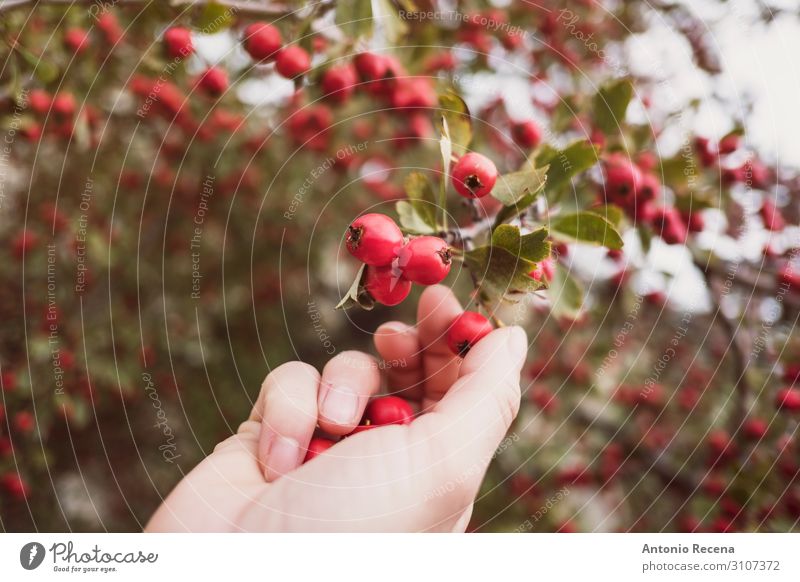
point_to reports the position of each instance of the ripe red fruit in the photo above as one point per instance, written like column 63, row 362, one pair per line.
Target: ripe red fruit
column 370, row 67
column 24, row 421
column 668, row 224
column 385, row 286
column 623, row 180
column 214, row 81
column 64, row 105
column 474, row 175
column 425, row 260
column 23, row 243
column 262, row 41
column 543, row 271
column 788, row 399
column 39, row 101
column 773, row 220
column 728, row 144
column 109, row 26
column 178, row 41
column 15, row 485
column 76, row 40
column 387, row 410
column 755, row 428
column 317, row 446
column 338, row 82
column 526, row 134
column 292, row 62
column 374, row 239
column 467, row 330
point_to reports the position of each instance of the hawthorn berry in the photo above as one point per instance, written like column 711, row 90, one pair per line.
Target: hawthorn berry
column 728, row 144
column 425, row 260
column 76, row 40
column 474, row 175
column 64, row 105
column 467, row 330
column 370, row 67
column 338, row 83
column 755, row 428
column 24, row 242
column 374, row 239
column 15, row 485
column 110, row 27
column 262, row 41
column 669, row 225
column 214, row 81
column 623, row 180
column 543, row 271
column 39, row 101
column 317, row 446
column 178, row 42
column 650, row 187
column 788, row 399
column 526, row 134
column 387, row 410
column 385, row 286
column 292, row 62
column 772, row 217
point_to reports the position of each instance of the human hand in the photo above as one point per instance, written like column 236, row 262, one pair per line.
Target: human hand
column 418, row 477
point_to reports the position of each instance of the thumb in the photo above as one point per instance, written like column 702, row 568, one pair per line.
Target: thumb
column 476, row 413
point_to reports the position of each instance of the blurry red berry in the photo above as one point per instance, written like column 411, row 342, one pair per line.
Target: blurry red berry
column 292, row 61
column 178, row 41
column 425, row 260
column 526, row 134
column 385, row 286
column 338, row 82
column 214, row 81
column 466, row 331
column 262, row 41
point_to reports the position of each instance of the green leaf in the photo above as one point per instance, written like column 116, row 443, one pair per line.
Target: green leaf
column 354, row 17
column 215, row 18
column 412, row 220
column 566, row 294
column 500, row 272
column 645, row 238
column 356, row 294
column 611, row 212
column 533, row 247
column 588, row 227
column 459, row 122
column 512, row 189
column 564, row 164
column 610, row 104
column 446, row 148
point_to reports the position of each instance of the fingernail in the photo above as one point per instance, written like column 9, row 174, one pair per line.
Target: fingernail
column 284, row 455
column 517, row 343
column 340, row 405
column 394, row 327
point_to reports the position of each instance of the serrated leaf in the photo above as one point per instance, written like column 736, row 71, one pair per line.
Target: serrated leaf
column 566, row 294
column 611, row 212
column 588, row 227
column 354, row 17
column 533, row 247
column 564, row 164
column 412, row 220
column 215, row 18
column 459, row 122
column 511, row 189
column 356, row 294
column 610, row 104
column 500, row 272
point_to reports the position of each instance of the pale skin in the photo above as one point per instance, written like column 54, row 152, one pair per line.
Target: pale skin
column 419, row 477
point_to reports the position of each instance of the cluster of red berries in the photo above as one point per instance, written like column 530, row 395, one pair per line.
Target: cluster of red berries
column 392, row 263
column 635, row 188
column 383, row 411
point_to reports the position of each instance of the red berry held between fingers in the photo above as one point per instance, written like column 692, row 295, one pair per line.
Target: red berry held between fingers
column 262, row 41
column 466, row 331
column 474, row 175
column 388, row 410
column 385, row 286
column 425, row 260
column 317, row 446
column 374, row 239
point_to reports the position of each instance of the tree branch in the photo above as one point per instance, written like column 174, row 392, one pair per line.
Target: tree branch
column 245, row 7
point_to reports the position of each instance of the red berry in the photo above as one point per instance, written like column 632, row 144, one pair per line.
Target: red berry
column 109, row 26
column 526, row 134
column 543, row 271
column 39, row 101
column 466, row 331
column 64, row 105
column 755, row 428
column 374, row 239
column 8, row 381
column 370, row 67
column 474, row 175
column 317, row 446
column 668, row 224
column 623, row 181
column 385, row 286
column 76, row 40
column 728, row 144
column 425, row 260
column 178, row 41
column 262, row 41
column 650, row 188
column 788, row 399
column 214, row 81
column 24, row 421
column 772, row 217
column 292, row 62
column 23, row 243
column 387, row 410
column 15, row 485
column 339, row 82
